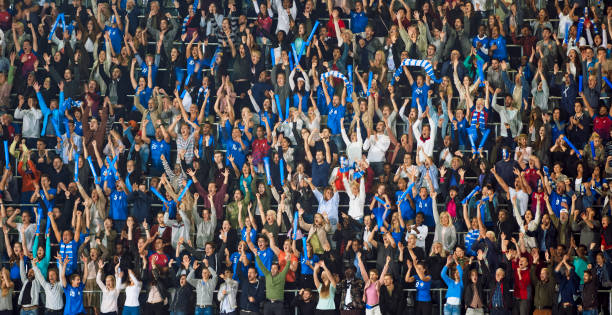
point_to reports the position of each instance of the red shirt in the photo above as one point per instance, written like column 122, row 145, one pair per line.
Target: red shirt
column 338, row 182
column 331, row 29
column 260, row 149
column 282, row 262
column 28, row 64
column 161, row 260
column 602, row 125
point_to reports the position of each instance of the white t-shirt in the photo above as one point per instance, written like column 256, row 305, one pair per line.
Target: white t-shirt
column 522, row 199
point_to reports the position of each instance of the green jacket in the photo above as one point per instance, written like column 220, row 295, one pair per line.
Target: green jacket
column 275, row 285
column 231, row 213
column 544, row 292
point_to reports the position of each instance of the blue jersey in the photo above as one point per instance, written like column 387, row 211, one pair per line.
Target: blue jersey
column 116, row 37
column 50, row 204
column 235, row 150
column 143, row 97
column 471, row 237
column 405, row 209
column 118, row 205
column 78, row 128
column 70, row 251
column 305, row 269
column 359, row 21
column 236, row 263
column 333, row 117
column 501, row 52
column 485, row 42
column 556, row 200
column 266, row 256
column 419, row 92
column 144, row 73
column 423, row 289
column 244, row 236
column 74, row 299
column 159, row 147
column 321, row 101
column 425, row 206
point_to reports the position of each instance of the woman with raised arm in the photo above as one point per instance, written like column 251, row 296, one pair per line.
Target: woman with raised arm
column 372, row 287
column 6, row 293
column 455, row 286
column 132, row 291
column 422, row 284
column 110, row 290
column 326, row 288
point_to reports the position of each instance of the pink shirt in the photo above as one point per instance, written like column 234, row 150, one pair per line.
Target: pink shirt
column 371, row 294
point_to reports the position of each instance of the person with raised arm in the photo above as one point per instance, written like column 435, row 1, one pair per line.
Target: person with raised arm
column 54, row 303
column 372, row 286
column 132, row 292
column 110, row 290
column 326, row 288
column 73, row 290
column 275, row 284
column 454, row 284
column 204, row 287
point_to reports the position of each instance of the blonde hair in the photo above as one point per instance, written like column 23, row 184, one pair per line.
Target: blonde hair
column 442, row 251
column 8, row 286
column 445, row 214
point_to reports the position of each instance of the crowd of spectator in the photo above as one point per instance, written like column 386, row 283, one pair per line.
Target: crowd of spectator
column 273, row 157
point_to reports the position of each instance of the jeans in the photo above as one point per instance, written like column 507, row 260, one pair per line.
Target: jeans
column 178, row 313
column 30, row 312
column 203, row 310
column 337, row 139
column 452, row 309
column 131, row 310
column 590, row 312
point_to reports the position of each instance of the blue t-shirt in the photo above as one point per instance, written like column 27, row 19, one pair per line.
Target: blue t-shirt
column 266, row 256
column 143, row 96
column 485, row 42
column 116, row 37
column 398, row 236
column 556, row 200
column 425, row 206
column 471, row 237
column 405, row 209
column 321, row 101
column 236, row 263
column 234, row 149
column 50, row 204
column 419, row 92
column 423, row 289
column 320, row 174
column 501, row 52
column 69, row 251
column 74, row 299
column 118, row 205
column 359, row 21
column 333, row 117
column 157, row 149
column 305, row 269
column 144, row 73
column 244, row 236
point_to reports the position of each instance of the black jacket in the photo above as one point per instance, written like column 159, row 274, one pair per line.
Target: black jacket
column 483, row 277
column 392, row 303
column 247, row 289
column 506, row 292
column 550, row 236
